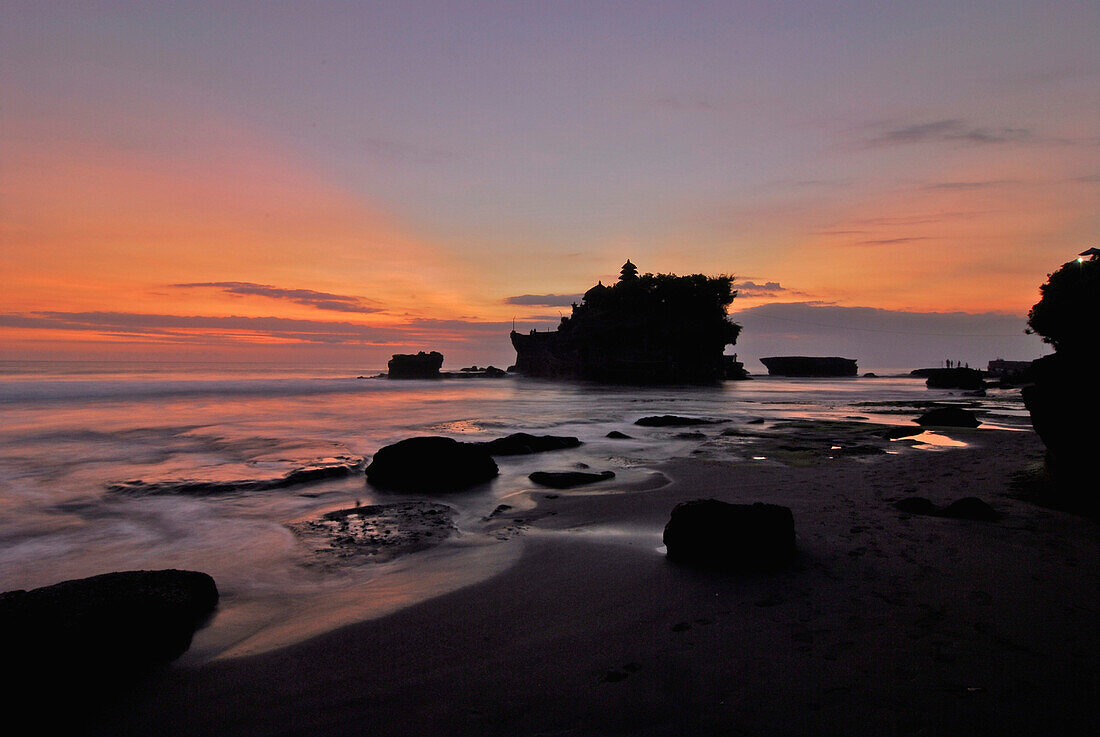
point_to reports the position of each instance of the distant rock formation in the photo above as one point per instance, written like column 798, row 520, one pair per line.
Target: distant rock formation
column 816, row 366
column 648, row 329
column 419, row 366
column 952, row 378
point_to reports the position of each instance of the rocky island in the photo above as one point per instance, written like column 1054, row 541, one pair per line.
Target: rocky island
column 645, row 329
column 819, row 366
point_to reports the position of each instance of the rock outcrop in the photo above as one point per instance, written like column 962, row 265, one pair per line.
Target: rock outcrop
column 430, row 464
column 810, row 366
column 744, row 537
column 953, row 378
column 645, row 329
column 115, row 625
column 415, row 366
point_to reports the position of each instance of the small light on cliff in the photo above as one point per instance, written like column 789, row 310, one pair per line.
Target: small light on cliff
column 1080, row 260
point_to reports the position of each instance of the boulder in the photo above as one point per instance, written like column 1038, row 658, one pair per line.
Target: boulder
column 568, row 479
column 915, row 505
column 970, row 507
column 616, row 435
column 948, row 417
column 430, row 464
column 716, row 534
column 522, row 443
column 112, row 625
column 671, row 421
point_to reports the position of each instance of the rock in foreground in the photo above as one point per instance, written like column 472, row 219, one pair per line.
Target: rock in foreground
column 948, row 417
column 113, row 625
column 568, row 479
column 743, row 537
column 430, row 464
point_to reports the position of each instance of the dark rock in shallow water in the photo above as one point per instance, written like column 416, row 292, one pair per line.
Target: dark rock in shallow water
column 690, row 436
column 419, row 366
column 522, row 443
column 671, row 421
column 430, row 464
column 901, row 432
column 116, row 625
column 970, row 507
column 375, row 533
column 819, row 366
column 569, row 479
column 916, row 505
column 953, row 378
column 616, row 435
column 321, row 470
column 715, row 534
column 948, row 417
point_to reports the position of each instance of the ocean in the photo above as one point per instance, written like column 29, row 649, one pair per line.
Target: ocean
column 107, row 466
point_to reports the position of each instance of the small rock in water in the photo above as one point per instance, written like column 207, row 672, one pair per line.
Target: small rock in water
column 616, row 435
column 948, row 417
column 522, row 443
column 568, row 479
column 671, row 421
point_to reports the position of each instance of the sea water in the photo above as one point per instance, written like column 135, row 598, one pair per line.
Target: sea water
column 73, row 434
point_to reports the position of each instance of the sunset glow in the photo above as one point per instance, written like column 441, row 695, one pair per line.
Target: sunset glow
column 354, row 180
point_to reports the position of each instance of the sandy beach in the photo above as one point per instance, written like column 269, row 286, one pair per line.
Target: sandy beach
column 889, row 623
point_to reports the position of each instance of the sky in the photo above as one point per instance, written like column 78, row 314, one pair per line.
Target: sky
column 337, row 182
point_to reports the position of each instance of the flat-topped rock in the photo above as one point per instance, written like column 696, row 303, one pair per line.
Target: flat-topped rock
column 569, row 479
column 112, row 625
column 671, row 421
column 746, row 537
column 522, row 443
column 948, row 417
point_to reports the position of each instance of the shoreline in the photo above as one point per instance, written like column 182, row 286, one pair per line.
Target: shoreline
column 889, row 624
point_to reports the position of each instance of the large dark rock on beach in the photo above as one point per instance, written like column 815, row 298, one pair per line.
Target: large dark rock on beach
column 948, row 417
column 431, row 464
column 742, row 537
column 569, row 479
column 1065, row 407
column 115, row 625
column 522, row 443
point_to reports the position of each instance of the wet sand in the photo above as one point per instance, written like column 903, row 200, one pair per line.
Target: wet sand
column 890, row 624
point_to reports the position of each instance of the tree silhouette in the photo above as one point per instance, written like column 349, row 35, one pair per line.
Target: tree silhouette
column 1068, row 314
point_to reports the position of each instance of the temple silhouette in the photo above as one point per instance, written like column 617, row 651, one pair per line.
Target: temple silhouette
column 644, row 329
